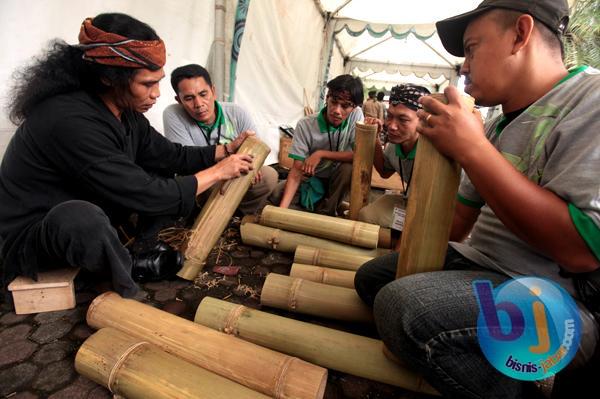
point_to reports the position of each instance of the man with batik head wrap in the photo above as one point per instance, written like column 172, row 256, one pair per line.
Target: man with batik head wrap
column 398, row 156
column 84, row 157
column 322, row 150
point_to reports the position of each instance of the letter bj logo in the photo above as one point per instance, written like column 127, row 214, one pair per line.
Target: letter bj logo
column 528, row 328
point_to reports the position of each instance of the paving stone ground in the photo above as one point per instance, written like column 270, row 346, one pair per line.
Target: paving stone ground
column 37, row 352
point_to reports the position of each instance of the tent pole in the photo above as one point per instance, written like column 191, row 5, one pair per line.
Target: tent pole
column 326, row 54
column 218, row 70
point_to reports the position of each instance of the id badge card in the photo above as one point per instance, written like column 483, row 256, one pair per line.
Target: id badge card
column 398, row 217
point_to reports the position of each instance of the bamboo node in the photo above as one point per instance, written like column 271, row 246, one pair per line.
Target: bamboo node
column 316, row 256
column 324, row 276
column 232, row 319
column 274, row 240
column 280, row 381
column 113, row 372
column 292, row 303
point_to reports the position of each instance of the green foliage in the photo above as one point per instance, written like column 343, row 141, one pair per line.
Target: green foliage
column 582, row 40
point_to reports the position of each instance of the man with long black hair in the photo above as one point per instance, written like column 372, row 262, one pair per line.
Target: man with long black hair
column 84, row 157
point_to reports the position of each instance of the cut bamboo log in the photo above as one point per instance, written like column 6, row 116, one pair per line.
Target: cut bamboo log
column 260, row 369
column 337, row 350
column 136, row 369
column 385, row 239
column 430, row 209
column 287, row 241
column 342, row 230
column 324, row 275
column 220, row 206
column 330, row 258
column 362, row 167
column 307, row 297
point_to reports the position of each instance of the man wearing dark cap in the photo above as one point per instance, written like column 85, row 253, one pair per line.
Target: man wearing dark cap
column 398, row 155
column 530, row 195
column 84, row 157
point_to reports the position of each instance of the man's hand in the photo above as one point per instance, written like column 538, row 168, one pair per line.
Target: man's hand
column 454, row 130
column 257, row 178
column 235, row 144
column 369, row 120
column 234, row 166
column 310, row 164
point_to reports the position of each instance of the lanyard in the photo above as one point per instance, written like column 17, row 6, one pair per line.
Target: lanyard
column 207, row 134
column 405, row 189
column 338, row 130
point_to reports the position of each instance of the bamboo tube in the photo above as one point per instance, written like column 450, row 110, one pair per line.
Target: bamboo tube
column 331, row 258
column 430, row 209
column 334, row 349
column 302, row 296
column 385, row 238
column 324, row 275
column 286, row 241
column 342, row 230
column 260, row 369
column 136, row 369
column 362, row 167
column 220, row 206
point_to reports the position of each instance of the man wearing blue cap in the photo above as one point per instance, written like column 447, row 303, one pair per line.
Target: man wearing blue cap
column 529, row 198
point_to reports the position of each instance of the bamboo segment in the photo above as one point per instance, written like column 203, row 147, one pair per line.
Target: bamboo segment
column 385, row 239
column 337, row 350
column 362, row 167
column 430, row 209
column 302, row 296
column 324, row 275
column 342, row 230
column 331, row 258
column 136, row 369
column 260, row 369
column 220, row 206
column 286, row 241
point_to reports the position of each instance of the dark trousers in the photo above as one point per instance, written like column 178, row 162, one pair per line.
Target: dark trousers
column 79, row 234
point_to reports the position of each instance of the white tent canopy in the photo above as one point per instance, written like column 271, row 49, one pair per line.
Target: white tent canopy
column 287, row 50
column 395, row 38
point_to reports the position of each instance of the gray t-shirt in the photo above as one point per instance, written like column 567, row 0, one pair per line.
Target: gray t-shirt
column 183, row 129
column 555, row 142
column 311, row 134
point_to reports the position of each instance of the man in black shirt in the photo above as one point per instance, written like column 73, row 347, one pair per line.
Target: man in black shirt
column 84, row 157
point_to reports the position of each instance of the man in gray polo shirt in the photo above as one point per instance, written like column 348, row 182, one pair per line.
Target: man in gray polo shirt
column 398, row 156
column 322, row 148
column 198, row 119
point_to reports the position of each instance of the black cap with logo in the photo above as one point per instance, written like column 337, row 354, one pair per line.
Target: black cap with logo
column 552, row 13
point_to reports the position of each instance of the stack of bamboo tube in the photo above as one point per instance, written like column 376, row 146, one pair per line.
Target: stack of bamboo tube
column 284, row 229
column 151, row 346
column 349, row 353
column 315, row 289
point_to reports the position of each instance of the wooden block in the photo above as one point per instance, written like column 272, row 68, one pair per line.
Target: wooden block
column 391, row 183
column 54, row 290
column 284, row 147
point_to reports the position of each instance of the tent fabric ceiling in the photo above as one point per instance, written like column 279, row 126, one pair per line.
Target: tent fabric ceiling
column 395, row 37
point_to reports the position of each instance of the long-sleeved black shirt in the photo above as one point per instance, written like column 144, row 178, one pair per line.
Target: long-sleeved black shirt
column 72, row 147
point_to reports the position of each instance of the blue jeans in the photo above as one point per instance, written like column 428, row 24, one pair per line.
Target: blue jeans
column 429, row 320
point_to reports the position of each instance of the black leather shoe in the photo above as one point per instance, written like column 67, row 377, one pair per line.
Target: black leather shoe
column 156, row 265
